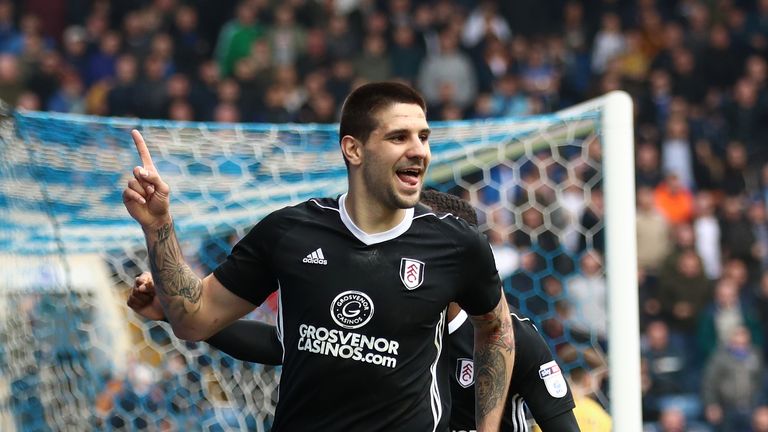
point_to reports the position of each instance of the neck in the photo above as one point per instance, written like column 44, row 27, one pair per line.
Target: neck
column 370, row 216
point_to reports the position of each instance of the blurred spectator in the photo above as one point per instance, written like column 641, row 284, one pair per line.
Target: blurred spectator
column 735, row 174
column 587, row 291
column 687, row 80
column 738, row 238
column 288, row 38
column 733, row 381
column 593, row 236
column 11, row 85
column 707, row 233
column 677, row 151
column 573, row 204
column 29, row 101
column 648, row 170
column 507, row 257
column 450, row 70
column 745, row 118
column 406, row 54
column 484, row 22
column 508, row 99
column 374, row 63
column 235, row 39
column 341, row 42
column 151, row 93
column 205, row 89
column 539, row 77
column 653, row 232
column 70, row 97
column 684, row 292
column 590, row 415
column 190, row 46
column 44, row 79
column 609, row 42
column 102, row 64
column 674, row 200
column 708, row 168
column 122, row 99
column 724, row 60
column 9, row 36
column 674, row 419
column 137, row 34
column 760, row 419
column 316, row 57
column 670, row 370
column 723, row 315
column 75, row 47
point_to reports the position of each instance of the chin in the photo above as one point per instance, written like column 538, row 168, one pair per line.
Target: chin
column 406, row 201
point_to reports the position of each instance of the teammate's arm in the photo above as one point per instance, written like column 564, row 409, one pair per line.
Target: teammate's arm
column 196, row 308
column 251, row 341
column 246, row 340
column 494, row 357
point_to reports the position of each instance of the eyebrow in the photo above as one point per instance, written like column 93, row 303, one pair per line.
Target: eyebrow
column 406, row 131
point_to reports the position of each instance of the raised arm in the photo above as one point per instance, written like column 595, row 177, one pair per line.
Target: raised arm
column 245, row 340
column 494, row 358
column 196, row 308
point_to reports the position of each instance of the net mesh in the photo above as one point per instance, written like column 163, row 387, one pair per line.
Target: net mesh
column 73, row 357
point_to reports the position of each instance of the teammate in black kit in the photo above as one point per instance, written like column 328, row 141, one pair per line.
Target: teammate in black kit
column 536, row 378
column 364, row 282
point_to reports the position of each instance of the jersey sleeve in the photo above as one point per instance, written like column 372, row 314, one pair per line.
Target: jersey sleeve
column 248, row 270
column 480, row 289
column 541, row 382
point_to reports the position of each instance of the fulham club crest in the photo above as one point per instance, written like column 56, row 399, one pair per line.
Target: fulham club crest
column 411, row 273
column 465, row 372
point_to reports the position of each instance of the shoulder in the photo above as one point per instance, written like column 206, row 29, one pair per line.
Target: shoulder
column 524, row 326
column 311, row 208
column 287, row 218
column 446, row 224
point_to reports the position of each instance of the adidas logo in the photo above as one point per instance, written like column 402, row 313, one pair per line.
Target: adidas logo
column 315, row 257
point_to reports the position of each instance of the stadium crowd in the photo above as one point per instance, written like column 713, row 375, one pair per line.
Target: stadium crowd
column 697, row 71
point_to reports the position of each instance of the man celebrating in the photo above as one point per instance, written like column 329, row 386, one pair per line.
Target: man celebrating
column 364, row 282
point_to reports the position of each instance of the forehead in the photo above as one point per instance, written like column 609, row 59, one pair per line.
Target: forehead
column 400, row 116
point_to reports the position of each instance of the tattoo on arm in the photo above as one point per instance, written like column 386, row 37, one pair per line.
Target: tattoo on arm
column 180, row 289
column 491, row 351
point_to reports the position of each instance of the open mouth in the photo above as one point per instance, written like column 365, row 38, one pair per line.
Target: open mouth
column 409, row 176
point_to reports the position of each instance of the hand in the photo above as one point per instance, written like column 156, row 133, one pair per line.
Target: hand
column 143, row 300
column 147, row 197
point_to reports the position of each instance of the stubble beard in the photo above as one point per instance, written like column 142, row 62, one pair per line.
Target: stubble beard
column 381, row 186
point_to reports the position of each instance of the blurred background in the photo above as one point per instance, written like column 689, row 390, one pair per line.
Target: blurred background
column 696, row 71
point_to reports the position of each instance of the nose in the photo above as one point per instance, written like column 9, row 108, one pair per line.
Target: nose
column 418, row 149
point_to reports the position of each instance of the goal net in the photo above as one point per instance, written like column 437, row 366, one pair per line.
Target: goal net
column 554, row 194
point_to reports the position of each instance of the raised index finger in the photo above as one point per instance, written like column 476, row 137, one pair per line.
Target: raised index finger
column 141, row 146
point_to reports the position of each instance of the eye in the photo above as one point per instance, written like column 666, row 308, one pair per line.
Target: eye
column 398, row 138
column 424, row 138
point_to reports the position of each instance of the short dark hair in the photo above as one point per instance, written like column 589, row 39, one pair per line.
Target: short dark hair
column 360, row 107
column 447, row 203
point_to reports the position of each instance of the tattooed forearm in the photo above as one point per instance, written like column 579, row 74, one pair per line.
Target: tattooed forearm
column 179, row 288
column 490, row 373
column 494, row 360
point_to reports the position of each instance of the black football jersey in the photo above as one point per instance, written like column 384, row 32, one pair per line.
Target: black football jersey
column 537, row 380
column 361, row 317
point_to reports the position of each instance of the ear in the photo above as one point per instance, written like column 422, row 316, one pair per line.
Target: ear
column 352, row 149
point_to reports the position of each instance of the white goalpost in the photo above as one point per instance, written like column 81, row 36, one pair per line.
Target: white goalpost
column 621, row 271
column 532, row 180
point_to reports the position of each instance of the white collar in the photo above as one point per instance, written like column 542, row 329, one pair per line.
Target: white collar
column 370, row 239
